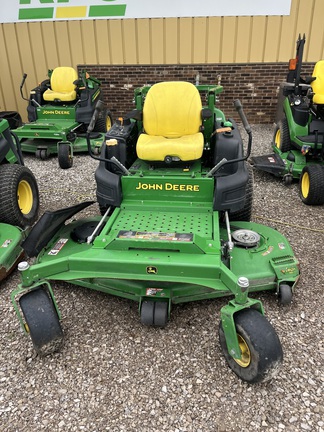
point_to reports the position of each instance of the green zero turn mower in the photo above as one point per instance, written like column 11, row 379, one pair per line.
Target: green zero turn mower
column 59, row 111
column 172, row 185
column 298, row 140
column 19, row 199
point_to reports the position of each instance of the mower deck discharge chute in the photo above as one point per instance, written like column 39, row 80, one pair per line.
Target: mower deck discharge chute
column 59, row 112
column 298, row 140
column 172, row 182
column 19, row 200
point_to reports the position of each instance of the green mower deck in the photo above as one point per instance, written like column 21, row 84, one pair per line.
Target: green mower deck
column 11, row 251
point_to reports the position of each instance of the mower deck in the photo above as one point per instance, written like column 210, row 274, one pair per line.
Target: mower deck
column 282, row 164
column 170, row 248
column 11, row 251
column 46, row 135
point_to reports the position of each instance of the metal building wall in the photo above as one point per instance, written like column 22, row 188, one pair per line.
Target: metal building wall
column 35, row 47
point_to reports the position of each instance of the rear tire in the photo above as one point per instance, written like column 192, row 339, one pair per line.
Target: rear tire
column 19, row 197
column 42, row 321
column 311, row 185
column 281, row 136
column 260, row 347
column 104, row 122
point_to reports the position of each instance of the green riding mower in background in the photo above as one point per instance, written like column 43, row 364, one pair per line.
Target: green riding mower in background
column 19, row 200
column 59, row 111
column 298, row 140
column 175, row 195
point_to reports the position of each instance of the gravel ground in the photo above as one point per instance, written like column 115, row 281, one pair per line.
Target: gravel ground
column 113, row 374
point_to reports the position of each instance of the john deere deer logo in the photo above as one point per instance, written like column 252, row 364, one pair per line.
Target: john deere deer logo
column 151, row 270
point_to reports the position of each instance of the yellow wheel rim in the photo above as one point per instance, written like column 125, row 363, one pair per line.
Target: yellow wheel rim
column 305, row 185
column 25, row 197
column 277, row 139
column 245, row 359
column 108, row 123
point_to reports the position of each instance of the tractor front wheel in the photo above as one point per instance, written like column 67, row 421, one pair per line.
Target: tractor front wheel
column 19, row 197
column 42, row 321
column 261, row 351
column 65, row 158
column 281, row 137
column 311, row 185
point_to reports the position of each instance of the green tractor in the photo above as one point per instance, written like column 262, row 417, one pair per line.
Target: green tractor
column 19, row 200
column 172, row 185
column 59, row 111
column 298, row 140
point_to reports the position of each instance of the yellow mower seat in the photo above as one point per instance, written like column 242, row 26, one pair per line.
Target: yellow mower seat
column 62, row 85
column 318, row 84
column 171, row 122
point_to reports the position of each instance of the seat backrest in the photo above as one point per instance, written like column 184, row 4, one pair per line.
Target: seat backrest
column 172, row 109
column 318, row 84
column 62, row 79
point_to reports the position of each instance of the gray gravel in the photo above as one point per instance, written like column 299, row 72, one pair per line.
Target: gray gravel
column 113, row 374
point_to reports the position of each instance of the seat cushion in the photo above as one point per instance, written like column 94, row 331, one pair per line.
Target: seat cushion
column 172, row 109
column 171, row 122
column 318, row 84
column 62, row 85
column 156, row 148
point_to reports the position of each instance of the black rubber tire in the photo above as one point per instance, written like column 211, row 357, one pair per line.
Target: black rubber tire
column 281, row 136
column 43, row 154
column 104, row 122
column 161, row 313
column 42, row 321
column 65, row 158
column 262, row 343
column 245, row 214
column 311, row 185
column 19, row 196
column 284, row 294
column 147, row 312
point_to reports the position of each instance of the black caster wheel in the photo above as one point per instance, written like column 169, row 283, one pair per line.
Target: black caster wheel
column 42, row 321
column 65, row 158
column 284, row 294
column 154, row 313
column 261, row 351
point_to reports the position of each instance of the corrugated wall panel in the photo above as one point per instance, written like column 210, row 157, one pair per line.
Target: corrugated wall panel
column 157, row 41
column 75, row 37
column 199, row 47
column 185, row 54
column 243, row 40
column 258, row 33
column 171, row 38
column 35, row 47
column 115, row 35
column 272, row 39
column 229, row 38
column 143, row 41
column 315, row 40
column 214, row 39
column 129, row 41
